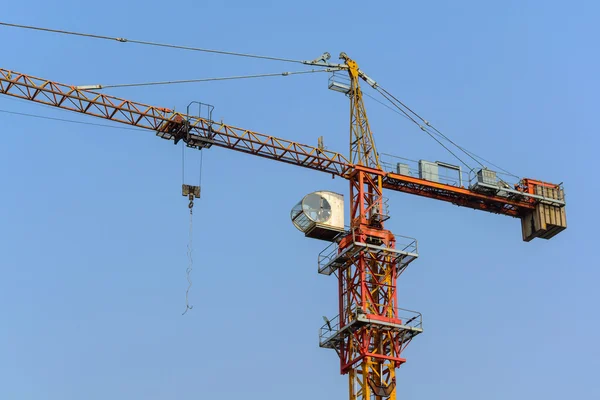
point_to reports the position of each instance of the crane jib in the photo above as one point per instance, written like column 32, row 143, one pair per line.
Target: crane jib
column 534, row 203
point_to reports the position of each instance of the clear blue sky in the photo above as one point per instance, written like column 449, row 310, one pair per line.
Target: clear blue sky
column 93, row 228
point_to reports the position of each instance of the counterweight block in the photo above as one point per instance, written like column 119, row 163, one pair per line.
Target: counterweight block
column 549, row 217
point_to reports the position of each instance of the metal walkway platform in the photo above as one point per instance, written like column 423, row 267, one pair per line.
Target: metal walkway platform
column 409, row 325
column 331, row 258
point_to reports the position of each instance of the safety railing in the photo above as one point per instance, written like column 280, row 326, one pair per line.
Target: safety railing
column 408, row 320
column 328, row 256
column 442, row 173
column 445, row 173
column 329, row 329
column 492, row 182
column 480, row 179
column 339, row 81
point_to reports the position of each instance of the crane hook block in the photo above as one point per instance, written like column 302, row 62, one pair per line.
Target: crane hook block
column 190, row 191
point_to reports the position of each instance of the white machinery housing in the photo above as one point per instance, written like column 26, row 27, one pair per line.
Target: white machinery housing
column 320, row 215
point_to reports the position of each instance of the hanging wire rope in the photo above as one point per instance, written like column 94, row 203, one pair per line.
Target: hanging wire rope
column 200, row 171
column 190, row 267
column 96, row 87
column 190, row 248
column 147, row 43
column 182, row 163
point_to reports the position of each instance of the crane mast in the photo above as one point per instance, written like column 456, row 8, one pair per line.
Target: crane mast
column 371, row 331
column 369, row 334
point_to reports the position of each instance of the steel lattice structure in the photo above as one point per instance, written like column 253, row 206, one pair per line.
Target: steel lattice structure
column 371, row 331
column 200, row 132
column 371, row 335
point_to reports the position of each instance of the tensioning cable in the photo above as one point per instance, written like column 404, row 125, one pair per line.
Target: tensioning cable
column 225, row 78
column 147, row 43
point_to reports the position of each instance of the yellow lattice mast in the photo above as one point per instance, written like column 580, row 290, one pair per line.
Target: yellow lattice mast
column 362, row 145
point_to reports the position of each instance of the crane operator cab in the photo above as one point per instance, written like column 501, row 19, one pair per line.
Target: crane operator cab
column 320, row 215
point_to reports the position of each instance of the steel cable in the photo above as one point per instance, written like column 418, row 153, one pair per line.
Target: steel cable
column 96, row 87
column 424, row 129
column 437, row 132
column 69, row 120
column 147, row 43
column 189, row 269
column 429, row 125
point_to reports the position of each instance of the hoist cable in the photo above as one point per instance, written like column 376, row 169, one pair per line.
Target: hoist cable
column 190, row 249
column 96, row 87
column 182, row 163
column 147, row 43
column 189, row 269
column 200, row 172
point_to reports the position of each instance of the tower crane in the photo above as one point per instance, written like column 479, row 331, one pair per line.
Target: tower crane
column 371, row 331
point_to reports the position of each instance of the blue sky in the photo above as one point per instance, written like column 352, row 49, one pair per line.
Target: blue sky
column 94, row 229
